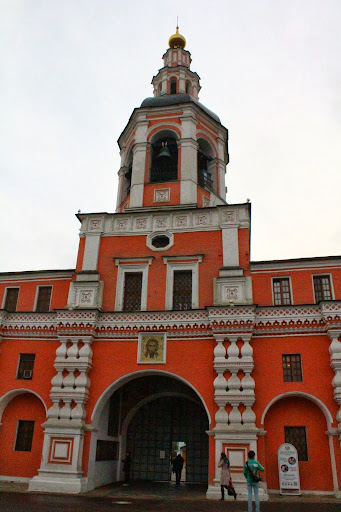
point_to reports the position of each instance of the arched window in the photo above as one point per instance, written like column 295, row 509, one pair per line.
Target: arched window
column 205, row 157
column 127, row 176
column 188, row 87
column 160, row 88
column 173, row 86
column 164, row 166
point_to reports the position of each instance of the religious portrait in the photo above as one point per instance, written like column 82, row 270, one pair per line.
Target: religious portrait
column 152, row 348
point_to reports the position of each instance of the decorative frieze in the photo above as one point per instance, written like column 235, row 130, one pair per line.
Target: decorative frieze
column 130, row 222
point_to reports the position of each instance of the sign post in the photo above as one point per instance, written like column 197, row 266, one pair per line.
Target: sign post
column 289, row 476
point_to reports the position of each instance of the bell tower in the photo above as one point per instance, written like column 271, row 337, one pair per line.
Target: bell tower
column 174, row 150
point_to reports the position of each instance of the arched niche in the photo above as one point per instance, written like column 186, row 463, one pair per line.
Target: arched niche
column 305, row 421
column 206, row 165
column 128, row 168
column 164, row 156
column 173, row 86
column 10, row 395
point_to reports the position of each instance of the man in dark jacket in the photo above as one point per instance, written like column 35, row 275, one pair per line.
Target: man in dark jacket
column 178, row 463
column 126, row 468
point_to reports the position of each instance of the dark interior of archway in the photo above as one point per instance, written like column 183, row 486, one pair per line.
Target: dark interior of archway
column 159, row 423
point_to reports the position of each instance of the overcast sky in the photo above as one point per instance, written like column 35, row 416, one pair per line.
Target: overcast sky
column 74, row 70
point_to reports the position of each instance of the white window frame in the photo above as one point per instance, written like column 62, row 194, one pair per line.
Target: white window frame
column 179, row 263
column 131, row 265
column 5, row 296
column 323, row 274
column 290, row 288
column 37, row 293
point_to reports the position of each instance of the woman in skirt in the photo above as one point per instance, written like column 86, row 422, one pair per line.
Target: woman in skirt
column 225, row 477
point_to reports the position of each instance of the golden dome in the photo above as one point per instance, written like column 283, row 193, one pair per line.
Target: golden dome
column 177, row 40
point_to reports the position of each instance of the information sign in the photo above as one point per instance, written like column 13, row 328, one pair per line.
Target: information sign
column 289, row 476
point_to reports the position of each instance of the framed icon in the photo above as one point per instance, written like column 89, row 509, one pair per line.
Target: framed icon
column 151, row 348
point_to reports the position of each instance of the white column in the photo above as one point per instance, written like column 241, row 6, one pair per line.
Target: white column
column 230, row 245
column 335, row 363
column 61, row 465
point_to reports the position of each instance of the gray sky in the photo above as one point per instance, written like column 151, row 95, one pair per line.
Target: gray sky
column 73, row 71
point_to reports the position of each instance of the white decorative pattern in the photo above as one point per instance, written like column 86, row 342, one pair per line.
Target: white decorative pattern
column 162, row 195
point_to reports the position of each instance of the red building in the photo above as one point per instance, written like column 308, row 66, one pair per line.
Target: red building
column 166, row 337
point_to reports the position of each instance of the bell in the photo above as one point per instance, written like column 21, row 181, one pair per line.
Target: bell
column 164, row 153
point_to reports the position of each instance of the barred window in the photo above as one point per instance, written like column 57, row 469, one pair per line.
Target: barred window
column 11, row 299
column 23, row 442
column 292, row 367
column 44, row 299
column 132, row 291
column 297, row 436
column 182, row 290
column 322, row 288
column 281, row 289
column 25, row 368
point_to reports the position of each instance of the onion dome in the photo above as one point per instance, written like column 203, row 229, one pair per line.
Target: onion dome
column 177, row 40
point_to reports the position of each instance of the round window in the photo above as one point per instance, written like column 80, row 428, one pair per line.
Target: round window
column 160, row 241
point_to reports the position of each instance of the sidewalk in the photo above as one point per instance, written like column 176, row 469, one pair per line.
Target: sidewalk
column 166, row 491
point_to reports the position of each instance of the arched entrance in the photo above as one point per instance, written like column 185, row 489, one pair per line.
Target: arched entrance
column 154, row 415
column 301, row 414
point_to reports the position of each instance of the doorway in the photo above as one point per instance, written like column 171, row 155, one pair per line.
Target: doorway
column 162, row 428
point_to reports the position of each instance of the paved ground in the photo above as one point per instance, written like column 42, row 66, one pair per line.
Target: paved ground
column 149, row 498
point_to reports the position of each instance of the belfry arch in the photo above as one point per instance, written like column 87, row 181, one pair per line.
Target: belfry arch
column 151, row 414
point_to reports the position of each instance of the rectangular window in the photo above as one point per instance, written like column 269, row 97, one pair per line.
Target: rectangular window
column 25, row 368
column 297, row 437
column 292, row 367
column 11, row 299
column 281, row 290
column 24, row 438
column 322, row 288
column 182, row 290
column 132, row 291
column 44, row 299
column 106, row 450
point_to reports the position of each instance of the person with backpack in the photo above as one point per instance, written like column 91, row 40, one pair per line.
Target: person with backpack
column 225, row 477
column 251, row 473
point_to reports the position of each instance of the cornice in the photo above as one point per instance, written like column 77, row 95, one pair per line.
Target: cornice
column 218, row 322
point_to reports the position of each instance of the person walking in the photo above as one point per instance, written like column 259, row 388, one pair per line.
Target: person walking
column 251, row 469
column 126, row 468
column 177, row 465
column 225, row 477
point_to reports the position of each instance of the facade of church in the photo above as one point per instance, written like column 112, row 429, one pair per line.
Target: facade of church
column 166, row 337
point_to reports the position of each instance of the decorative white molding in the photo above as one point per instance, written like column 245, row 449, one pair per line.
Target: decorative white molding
column 184, row 219
column 85, row 294
column 162, row 195
column 156, row 234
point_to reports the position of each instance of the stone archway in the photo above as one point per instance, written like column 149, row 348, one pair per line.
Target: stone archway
column 118, row 424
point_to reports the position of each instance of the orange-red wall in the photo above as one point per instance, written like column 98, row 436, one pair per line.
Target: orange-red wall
column 18, row 463
column 202, row 242
column 301, row 282
column 28, row 291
